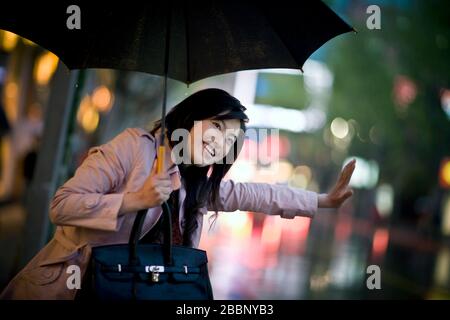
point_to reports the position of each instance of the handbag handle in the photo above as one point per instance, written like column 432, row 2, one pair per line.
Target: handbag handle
column 137, row 229
column 139, row 222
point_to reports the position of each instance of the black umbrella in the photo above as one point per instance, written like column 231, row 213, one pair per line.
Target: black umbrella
column 184, row 40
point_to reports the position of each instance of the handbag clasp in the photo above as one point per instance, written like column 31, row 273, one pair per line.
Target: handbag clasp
column 155, row 270
column 155, row 277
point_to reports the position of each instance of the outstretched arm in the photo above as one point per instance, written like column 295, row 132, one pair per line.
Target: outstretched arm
column 272, row 199
column 280, row 199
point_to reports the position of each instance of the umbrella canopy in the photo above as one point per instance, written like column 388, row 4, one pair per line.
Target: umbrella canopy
column 207, row 37
column 185, row 40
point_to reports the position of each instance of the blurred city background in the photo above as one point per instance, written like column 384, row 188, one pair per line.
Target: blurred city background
column 380, row 96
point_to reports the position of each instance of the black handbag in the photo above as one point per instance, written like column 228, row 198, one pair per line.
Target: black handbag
column 136, row 271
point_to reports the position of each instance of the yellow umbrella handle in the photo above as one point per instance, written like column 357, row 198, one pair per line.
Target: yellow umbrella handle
column 160, row 163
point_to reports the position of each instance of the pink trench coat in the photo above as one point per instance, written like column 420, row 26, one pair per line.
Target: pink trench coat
column 86, row 210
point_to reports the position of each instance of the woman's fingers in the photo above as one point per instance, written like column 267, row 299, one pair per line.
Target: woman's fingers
column 161, row 179
column 346, row 173
column 160, row 176
column 340, row 198
column 347, row 194
column 349, row 174
column 164, row 193
column 165, row 188
column 341, row 191
column 163, row 182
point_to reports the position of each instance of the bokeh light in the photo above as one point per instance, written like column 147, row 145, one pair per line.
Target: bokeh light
column 339, row 128
column 45, row 67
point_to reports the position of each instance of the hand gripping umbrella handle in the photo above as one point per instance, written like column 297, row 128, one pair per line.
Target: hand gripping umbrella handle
column 139, row 221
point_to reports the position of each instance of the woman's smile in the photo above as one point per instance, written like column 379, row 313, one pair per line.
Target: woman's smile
column 209, row 149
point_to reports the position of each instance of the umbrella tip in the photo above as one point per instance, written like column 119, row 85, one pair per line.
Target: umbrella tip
column 301, row 69
column 354, row 30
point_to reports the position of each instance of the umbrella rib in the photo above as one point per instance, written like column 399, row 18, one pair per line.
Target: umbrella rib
column 188, row 58
column 287, row 49
column 166, row 71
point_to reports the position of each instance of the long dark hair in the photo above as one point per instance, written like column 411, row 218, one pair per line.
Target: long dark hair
column 202, row 188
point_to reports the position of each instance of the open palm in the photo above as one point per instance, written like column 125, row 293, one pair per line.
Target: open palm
column 341, row 190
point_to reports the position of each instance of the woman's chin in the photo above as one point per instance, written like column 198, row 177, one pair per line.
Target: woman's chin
column 201, row 165
column 202, row 162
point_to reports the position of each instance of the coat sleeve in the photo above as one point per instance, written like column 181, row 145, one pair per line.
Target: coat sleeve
column 272, row 199
column 87, row 199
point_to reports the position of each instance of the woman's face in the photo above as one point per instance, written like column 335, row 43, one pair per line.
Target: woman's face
column 210, row 140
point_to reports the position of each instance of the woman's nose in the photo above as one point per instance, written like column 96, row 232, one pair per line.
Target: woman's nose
column 215, row 139
column 216, row 142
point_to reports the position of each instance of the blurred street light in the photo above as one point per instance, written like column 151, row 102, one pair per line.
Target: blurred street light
column 45, row 67
column 384, row 199
column 339, row 128
column 445, row 226
column 405, row 91
column 380, row 242
column 102, row 99
column 445, row 101
column 9, row 41
column 444, row 173
column 301, row 177
column 87, row 116
column 442, row 267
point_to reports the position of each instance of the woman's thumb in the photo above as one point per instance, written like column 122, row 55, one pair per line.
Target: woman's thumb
column 348, row 194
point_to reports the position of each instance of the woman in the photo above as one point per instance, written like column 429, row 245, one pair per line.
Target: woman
column 97, row 205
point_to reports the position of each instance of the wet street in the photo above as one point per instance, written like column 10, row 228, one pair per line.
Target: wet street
column 325, row 258
column 253, row 256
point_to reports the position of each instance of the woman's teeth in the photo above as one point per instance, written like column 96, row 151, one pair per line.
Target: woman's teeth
column 209, row 149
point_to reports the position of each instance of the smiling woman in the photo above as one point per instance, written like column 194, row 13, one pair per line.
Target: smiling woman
column 98, row 205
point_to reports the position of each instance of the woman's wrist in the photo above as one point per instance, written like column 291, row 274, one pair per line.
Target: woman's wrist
column 132, row 202
column 323, row 201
